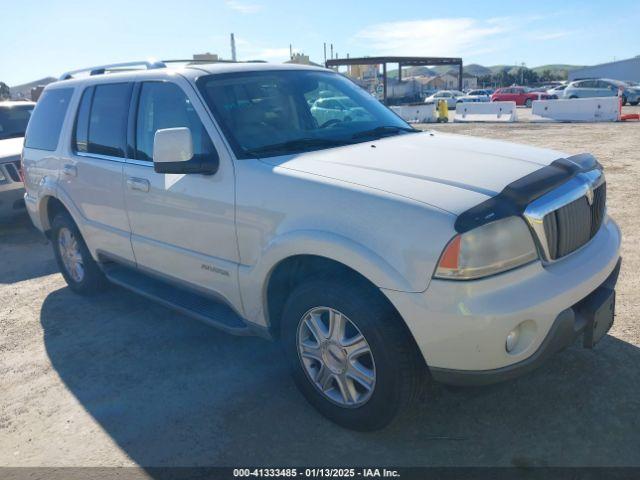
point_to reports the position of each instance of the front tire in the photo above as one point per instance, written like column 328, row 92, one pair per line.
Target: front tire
column 350, row 354
column 79, row 269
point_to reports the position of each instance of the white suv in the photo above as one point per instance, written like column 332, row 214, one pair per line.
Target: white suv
column 380, row 257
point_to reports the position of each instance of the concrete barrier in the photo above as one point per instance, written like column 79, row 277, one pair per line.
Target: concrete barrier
column 486, row 112
column 600, row 109
column 420, row 113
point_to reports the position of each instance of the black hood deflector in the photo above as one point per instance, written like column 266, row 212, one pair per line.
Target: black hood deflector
column 515, row 197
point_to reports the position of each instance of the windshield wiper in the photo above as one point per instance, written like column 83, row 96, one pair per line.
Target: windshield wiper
column 297, row 144
column 384, row 130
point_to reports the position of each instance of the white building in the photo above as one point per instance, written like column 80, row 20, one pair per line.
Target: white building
column 621, row 70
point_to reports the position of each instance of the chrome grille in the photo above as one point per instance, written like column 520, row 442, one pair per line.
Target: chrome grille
column 12, row 169
column 568, row 217
column 573, row 225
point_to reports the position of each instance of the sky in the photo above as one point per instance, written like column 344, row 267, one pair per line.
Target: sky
column 49, row 37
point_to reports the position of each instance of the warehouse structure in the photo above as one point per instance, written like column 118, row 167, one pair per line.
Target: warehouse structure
column 625, row 70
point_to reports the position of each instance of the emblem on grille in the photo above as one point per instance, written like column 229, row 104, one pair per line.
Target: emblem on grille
column 589, row 195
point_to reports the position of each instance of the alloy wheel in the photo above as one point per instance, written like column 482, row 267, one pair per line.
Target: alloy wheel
column 336, row 357
column 70, row 253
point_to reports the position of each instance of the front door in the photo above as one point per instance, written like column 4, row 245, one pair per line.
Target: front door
column 182, row 225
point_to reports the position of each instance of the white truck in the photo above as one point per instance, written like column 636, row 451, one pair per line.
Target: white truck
column 14, row 117
column 381, row 257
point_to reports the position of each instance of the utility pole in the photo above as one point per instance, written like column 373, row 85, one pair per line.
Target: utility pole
column 290, row 52
column 325, row 52
column 331, row 50
column 233, row 48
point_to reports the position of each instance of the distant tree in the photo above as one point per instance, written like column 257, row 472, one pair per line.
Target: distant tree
column 486, row 80
column 547, row 76
column 504, row 78
column 5, row 93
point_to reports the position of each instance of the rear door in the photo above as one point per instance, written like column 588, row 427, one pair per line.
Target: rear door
column 92, row 173
column 519, row 96
column 183, row 225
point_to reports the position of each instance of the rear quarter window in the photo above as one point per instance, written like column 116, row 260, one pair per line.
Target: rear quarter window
column 46, row 121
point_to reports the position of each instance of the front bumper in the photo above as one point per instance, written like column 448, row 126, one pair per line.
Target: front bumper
column 566, row 328
column 461, row 327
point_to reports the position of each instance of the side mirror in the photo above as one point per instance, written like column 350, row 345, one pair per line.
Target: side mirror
column 173, row 153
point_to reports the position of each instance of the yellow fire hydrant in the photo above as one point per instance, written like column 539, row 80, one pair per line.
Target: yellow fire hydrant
column 443, row 111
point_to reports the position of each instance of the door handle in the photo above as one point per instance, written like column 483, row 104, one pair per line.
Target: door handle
column 140, row 184
column 70, row 170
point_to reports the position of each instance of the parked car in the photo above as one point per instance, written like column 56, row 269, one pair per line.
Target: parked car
column 521, row 95
column 557, row 90
column 474, row 96
column 14, row 117
column 603, row 87
column 447, row 95
column 336, row 109
column 380, row 256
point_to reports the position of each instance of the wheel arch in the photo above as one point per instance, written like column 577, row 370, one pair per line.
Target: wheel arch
column 295, row 269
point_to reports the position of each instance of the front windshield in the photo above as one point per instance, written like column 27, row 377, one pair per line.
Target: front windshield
column 268, row 113
column 13, row 120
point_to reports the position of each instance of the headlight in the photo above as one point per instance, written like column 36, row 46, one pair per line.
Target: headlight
column 492, row 248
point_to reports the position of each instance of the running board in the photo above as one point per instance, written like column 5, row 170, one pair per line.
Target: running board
column 185, row 301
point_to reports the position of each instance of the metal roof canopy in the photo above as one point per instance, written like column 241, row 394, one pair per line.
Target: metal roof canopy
column 401, row 61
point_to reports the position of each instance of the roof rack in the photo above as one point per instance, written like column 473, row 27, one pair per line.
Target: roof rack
column 147, row 64
column 102, row 69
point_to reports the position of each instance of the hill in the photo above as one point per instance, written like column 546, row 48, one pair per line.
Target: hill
column 24, row 90
column 556, row 69
column 478, row 70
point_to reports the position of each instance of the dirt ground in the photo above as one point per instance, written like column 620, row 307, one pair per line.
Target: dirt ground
column 117, row 380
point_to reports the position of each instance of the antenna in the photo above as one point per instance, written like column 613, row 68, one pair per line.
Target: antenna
column 233, row 48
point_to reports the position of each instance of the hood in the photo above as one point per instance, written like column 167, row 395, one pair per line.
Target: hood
column 11, row 147
column 451, row 172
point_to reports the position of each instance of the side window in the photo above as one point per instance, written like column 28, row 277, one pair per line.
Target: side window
column 81, row 128
column 165, row 105
column 46, row 121
column 108, row 119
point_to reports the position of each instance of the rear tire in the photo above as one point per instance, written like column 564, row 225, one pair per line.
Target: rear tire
column 79, row 269
column 395, row 370
column 528, row 102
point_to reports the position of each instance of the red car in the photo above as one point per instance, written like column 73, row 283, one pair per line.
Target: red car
column 520, row 95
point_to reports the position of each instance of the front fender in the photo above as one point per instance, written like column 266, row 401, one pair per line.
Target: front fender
column 254, row 279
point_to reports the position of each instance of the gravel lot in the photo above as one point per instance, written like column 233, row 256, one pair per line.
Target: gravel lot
column 117, row 380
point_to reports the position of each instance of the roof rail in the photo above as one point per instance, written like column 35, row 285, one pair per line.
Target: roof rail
column 148, row 64
column 101, row 69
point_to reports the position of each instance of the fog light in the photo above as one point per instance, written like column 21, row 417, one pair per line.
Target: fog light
column 512, row 339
